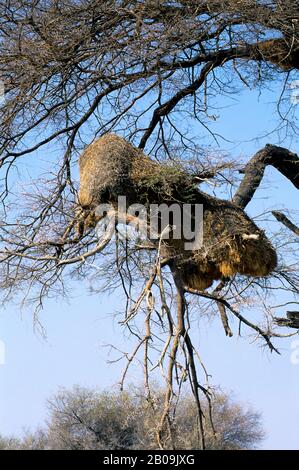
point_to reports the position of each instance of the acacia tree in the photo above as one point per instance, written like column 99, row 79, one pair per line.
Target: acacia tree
column 83, row 418
column 146, row 69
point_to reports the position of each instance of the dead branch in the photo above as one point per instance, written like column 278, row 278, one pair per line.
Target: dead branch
column 286, row 222
column 264, row 334
column 282, row 159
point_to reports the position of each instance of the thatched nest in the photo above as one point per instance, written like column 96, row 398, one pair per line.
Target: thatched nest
column 232, row 243
column 280, row 52
column 111, row 166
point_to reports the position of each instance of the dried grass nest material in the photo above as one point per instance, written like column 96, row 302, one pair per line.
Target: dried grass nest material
column 232, row 242
column 111, row 166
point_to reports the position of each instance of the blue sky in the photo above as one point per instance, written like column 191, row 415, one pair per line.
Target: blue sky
column 73, row 351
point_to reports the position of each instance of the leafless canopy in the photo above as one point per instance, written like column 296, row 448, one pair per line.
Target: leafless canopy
column 76, row 69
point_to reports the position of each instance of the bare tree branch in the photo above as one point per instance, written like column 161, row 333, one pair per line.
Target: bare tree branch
column 280, row 158
column 286, row 222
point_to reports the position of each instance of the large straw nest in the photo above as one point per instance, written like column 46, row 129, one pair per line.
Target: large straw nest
column 111, row 166
column 232, row 243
